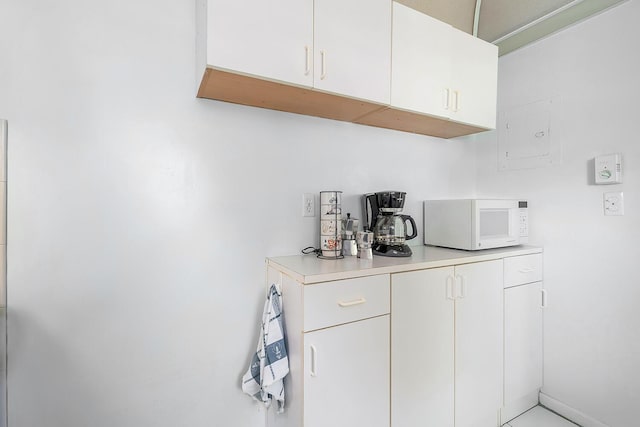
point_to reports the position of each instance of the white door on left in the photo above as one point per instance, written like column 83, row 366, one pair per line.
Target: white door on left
column 346, row 375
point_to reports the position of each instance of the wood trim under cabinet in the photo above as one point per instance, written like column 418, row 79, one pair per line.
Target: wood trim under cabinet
column 408, row 121
column 247, row 90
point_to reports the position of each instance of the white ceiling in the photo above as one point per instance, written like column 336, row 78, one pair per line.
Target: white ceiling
column 511, row 24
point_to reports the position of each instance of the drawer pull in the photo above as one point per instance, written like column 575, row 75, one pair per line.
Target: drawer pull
column 527, row 270
column 352, row 303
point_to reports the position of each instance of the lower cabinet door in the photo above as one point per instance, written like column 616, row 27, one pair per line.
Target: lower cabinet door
column 522, row 348
column 346, row 375
column 478, row 342
column 446, row 332
column 422, row 349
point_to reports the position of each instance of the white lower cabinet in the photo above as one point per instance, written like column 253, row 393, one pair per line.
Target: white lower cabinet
column 524, row 301
column 444, row 339
column 422, row 349
column 338, row 337
column 346, row 377
column 446, row 346
column 479, row 326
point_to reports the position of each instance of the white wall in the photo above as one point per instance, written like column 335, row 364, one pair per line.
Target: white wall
column 592, row 338
column 140, row 216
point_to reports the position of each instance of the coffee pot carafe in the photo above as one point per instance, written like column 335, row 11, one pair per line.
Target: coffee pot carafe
column 382, row 216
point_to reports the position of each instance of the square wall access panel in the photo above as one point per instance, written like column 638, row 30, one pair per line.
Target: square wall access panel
column 529, row 136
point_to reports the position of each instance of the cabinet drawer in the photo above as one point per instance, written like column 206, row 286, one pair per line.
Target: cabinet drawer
column 523, row 269
column 343, row 301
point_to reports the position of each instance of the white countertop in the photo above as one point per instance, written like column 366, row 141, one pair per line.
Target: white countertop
column 309, row 269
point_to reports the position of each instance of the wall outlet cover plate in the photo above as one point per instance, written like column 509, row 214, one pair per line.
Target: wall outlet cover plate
column 614, row 203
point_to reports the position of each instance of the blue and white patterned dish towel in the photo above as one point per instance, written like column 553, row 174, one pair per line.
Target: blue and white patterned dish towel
column 270, row 364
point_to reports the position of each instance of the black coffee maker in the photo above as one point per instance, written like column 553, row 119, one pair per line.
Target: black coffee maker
column 382, row 216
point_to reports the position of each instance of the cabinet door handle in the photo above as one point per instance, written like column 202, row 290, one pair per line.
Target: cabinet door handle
column 352, row 303
column 456, row 97
column 543, row 303
column 450, row 280
column 463, row 287
column 445, row 98
column 525, row 270
column 323, row 64
column 307, row 59
column 314, row 360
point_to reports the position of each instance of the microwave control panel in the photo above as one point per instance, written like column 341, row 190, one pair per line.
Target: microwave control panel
column 524, row 221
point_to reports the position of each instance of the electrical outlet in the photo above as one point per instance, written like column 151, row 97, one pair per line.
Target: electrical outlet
column 308, row 204
column 614, row 203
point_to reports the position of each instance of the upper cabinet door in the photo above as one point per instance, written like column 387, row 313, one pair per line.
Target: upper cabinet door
column 474, row 81
column 270, row 39
column 352, row 47
column 441, row 71
column 421, row 58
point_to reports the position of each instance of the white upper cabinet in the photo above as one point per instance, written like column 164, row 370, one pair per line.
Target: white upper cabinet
column 474, row 83
column 441, row 71
column 336, row 46
column 421, row 61
column 352, row 48
column 269, row 39
column 373, row 62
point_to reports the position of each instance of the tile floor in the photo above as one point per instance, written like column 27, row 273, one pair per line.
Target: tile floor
column 539, row 417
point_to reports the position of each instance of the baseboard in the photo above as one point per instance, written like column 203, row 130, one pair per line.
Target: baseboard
column 517, row 407
column 568, row 412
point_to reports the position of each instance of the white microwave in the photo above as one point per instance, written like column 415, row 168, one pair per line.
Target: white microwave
column 475, row 224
